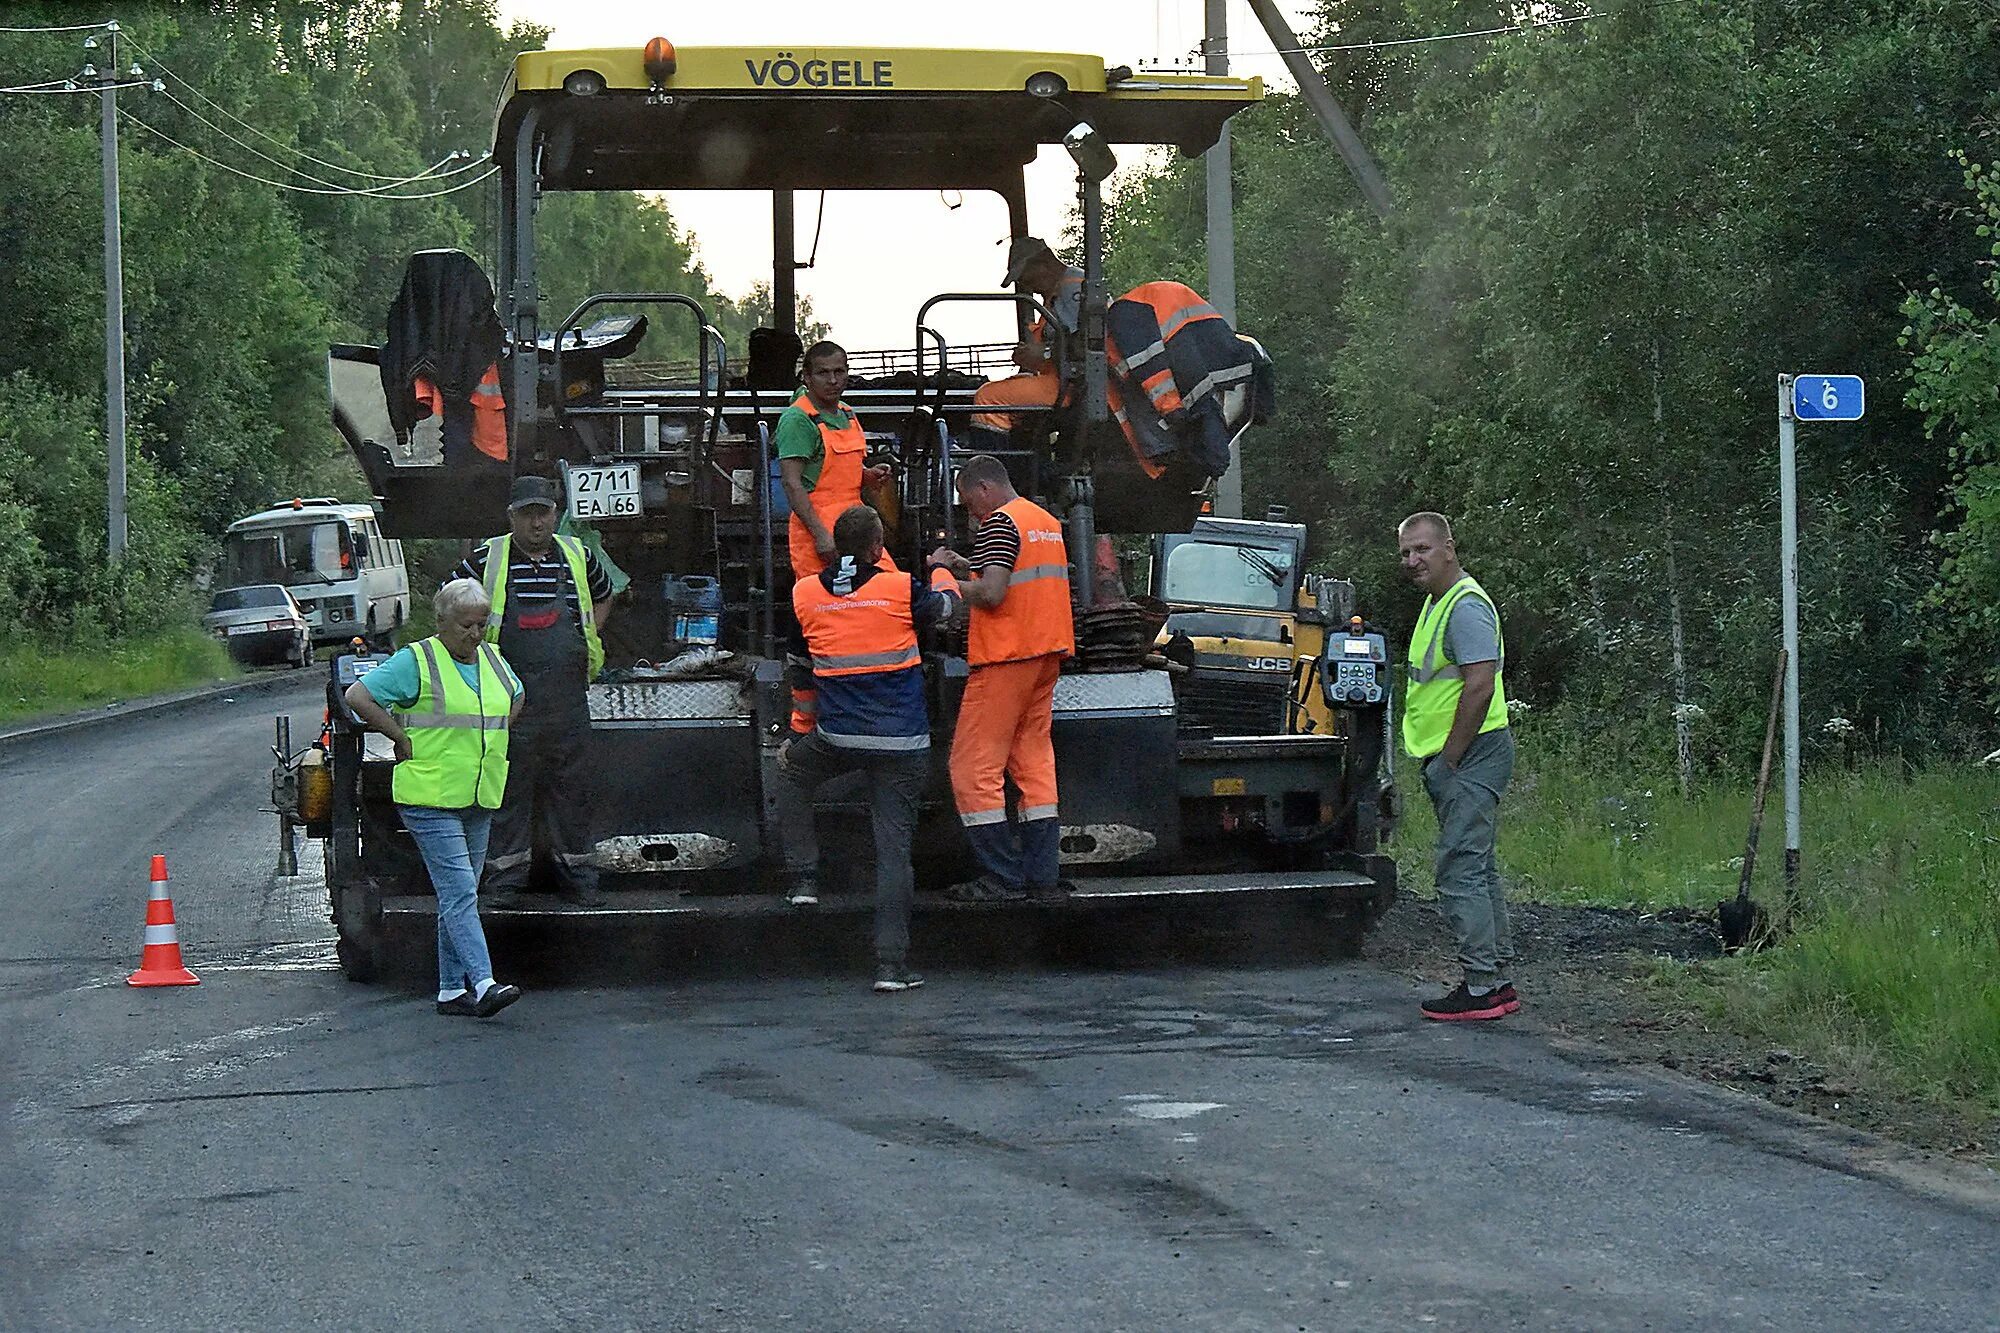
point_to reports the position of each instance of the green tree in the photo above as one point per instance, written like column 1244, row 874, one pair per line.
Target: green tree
column 1956, row 385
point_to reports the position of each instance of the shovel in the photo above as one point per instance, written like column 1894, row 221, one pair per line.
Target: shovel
column 1742, row 922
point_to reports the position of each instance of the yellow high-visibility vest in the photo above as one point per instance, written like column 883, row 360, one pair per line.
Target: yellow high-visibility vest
column 499, row 554
column 458, row 735
column 1430, row 699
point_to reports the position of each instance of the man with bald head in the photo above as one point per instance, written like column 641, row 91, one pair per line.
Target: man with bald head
column 1455, row 726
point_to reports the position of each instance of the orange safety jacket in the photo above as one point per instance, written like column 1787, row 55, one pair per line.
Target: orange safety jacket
column 489, row 411
column 861, row 629
column 1034, row 618
column 1175, row 307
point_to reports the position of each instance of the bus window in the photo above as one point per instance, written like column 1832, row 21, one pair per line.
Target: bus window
column 292, row 555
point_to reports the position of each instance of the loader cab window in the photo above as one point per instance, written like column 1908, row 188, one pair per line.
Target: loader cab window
column 1210, row 573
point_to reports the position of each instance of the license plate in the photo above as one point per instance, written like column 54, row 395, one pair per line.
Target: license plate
column 603, row 492
column 246, row 629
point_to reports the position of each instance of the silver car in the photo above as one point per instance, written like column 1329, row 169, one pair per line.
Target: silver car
column 261, row 622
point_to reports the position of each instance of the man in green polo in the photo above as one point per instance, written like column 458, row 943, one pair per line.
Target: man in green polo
column 1455, row 726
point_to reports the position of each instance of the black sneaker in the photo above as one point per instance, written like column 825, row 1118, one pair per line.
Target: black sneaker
column 498, row 996
column 1461, row 1005
column 803, row 893
column 1504, row 993
column 1051, row 893
column 461, row 1004
column 896, row 976
column 985, row 889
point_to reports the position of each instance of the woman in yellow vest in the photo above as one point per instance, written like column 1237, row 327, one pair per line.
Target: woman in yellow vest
column 445, row 703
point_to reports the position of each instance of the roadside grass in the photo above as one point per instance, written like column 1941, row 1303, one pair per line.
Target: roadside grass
column 1891, row 968
column 39, row 677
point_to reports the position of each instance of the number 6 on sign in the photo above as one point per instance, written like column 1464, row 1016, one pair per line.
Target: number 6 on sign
column 1828, row 398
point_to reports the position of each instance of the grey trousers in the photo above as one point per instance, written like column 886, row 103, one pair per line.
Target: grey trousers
column 1467, row 800
column 547, row 783
column 896, row 781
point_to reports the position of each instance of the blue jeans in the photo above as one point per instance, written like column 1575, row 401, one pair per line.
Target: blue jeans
column 453, row 845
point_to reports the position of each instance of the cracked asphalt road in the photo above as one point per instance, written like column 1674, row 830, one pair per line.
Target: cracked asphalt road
column 740, row 1135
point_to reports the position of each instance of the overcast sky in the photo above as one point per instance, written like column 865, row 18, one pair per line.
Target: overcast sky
column 881, row 255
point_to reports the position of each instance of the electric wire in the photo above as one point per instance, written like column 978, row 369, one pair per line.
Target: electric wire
column 55, row 87
column 74, row 27
column 154, row 63
column 1443, row 37
column 429, row 173
column 379, row 193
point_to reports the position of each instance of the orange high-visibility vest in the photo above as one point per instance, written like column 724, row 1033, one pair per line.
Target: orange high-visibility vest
column 1034, row 619
column 844, row 457
column 489, row 411
column 871, row 630
column 1175, row 306
column 489, row 416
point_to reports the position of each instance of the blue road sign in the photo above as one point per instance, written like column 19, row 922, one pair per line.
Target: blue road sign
column 1828, row 398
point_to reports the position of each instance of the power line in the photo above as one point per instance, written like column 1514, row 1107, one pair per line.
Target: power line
column 74, row 27
column 302, row 189
column 1512, row 29
column 63, row 87
column 270, row 139
column 428, row 173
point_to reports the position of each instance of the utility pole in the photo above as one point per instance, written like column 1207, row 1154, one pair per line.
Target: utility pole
column 114, row 294
column 1221, row 229
column 1333, row 121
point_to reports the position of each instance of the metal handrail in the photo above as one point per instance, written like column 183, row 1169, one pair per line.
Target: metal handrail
column 944, row 349
column 706, row 333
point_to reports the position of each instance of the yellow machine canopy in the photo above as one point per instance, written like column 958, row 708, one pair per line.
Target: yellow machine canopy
column 791, row 117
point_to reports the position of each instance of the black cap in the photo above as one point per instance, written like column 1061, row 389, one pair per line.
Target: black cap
column 1024, row 251
column 531, row 490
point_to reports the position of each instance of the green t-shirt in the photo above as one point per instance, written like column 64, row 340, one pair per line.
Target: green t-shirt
column 798, row 437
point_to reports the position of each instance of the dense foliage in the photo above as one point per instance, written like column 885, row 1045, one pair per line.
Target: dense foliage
column 234, row 287
column 1611, row 237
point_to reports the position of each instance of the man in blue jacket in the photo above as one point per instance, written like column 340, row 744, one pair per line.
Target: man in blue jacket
column 860, row 622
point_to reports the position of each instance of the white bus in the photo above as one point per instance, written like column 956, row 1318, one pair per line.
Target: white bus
column 346, row 575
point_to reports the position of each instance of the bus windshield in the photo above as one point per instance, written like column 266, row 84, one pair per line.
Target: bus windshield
column 1207, row 573
column 292, row 555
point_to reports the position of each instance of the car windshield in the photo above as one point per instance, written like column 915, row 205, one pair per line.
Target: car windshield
column 289, row 555
column 239, row 599
column 1205, row 573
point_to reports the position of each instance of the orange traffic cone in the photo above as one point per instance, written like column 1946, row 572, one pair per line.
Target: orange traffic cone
column 160, row 961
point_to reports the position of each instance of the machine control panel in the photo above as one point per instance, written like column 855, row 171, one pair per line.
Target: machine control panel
column 348, row 668
column 1355, row 666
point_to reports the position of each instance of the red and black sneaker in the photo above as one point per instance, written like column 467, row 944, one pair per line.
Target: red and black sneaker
column 1504, row 993
column 1462, row 1006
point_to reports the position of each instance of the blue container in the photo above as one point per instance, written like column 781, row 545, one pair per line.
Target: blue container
column 696, row 604
column 781, row 504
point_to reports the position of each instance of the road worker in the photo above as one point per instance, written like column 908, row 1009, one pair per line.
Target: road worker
column 1035, row 269
column 1017, row 586
column 1455, row 726
column 860, row 619
column 550, row 596
column 823, row 464
column 446, row 704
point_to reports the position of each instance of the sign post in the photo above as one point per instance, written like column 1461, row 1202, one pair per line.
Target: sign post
column 1800, row 398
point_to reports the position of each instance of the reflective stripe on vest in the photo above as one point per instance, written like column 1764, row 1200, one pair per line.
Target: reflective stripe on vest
column 499, row 556
column 1034, row 617
column 458, row 735
column 1430, row 701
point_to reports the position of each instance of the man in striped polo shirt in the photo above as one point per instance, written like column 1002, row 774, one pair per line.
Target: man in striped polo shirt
column 1017, row 585
column 550, row 596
